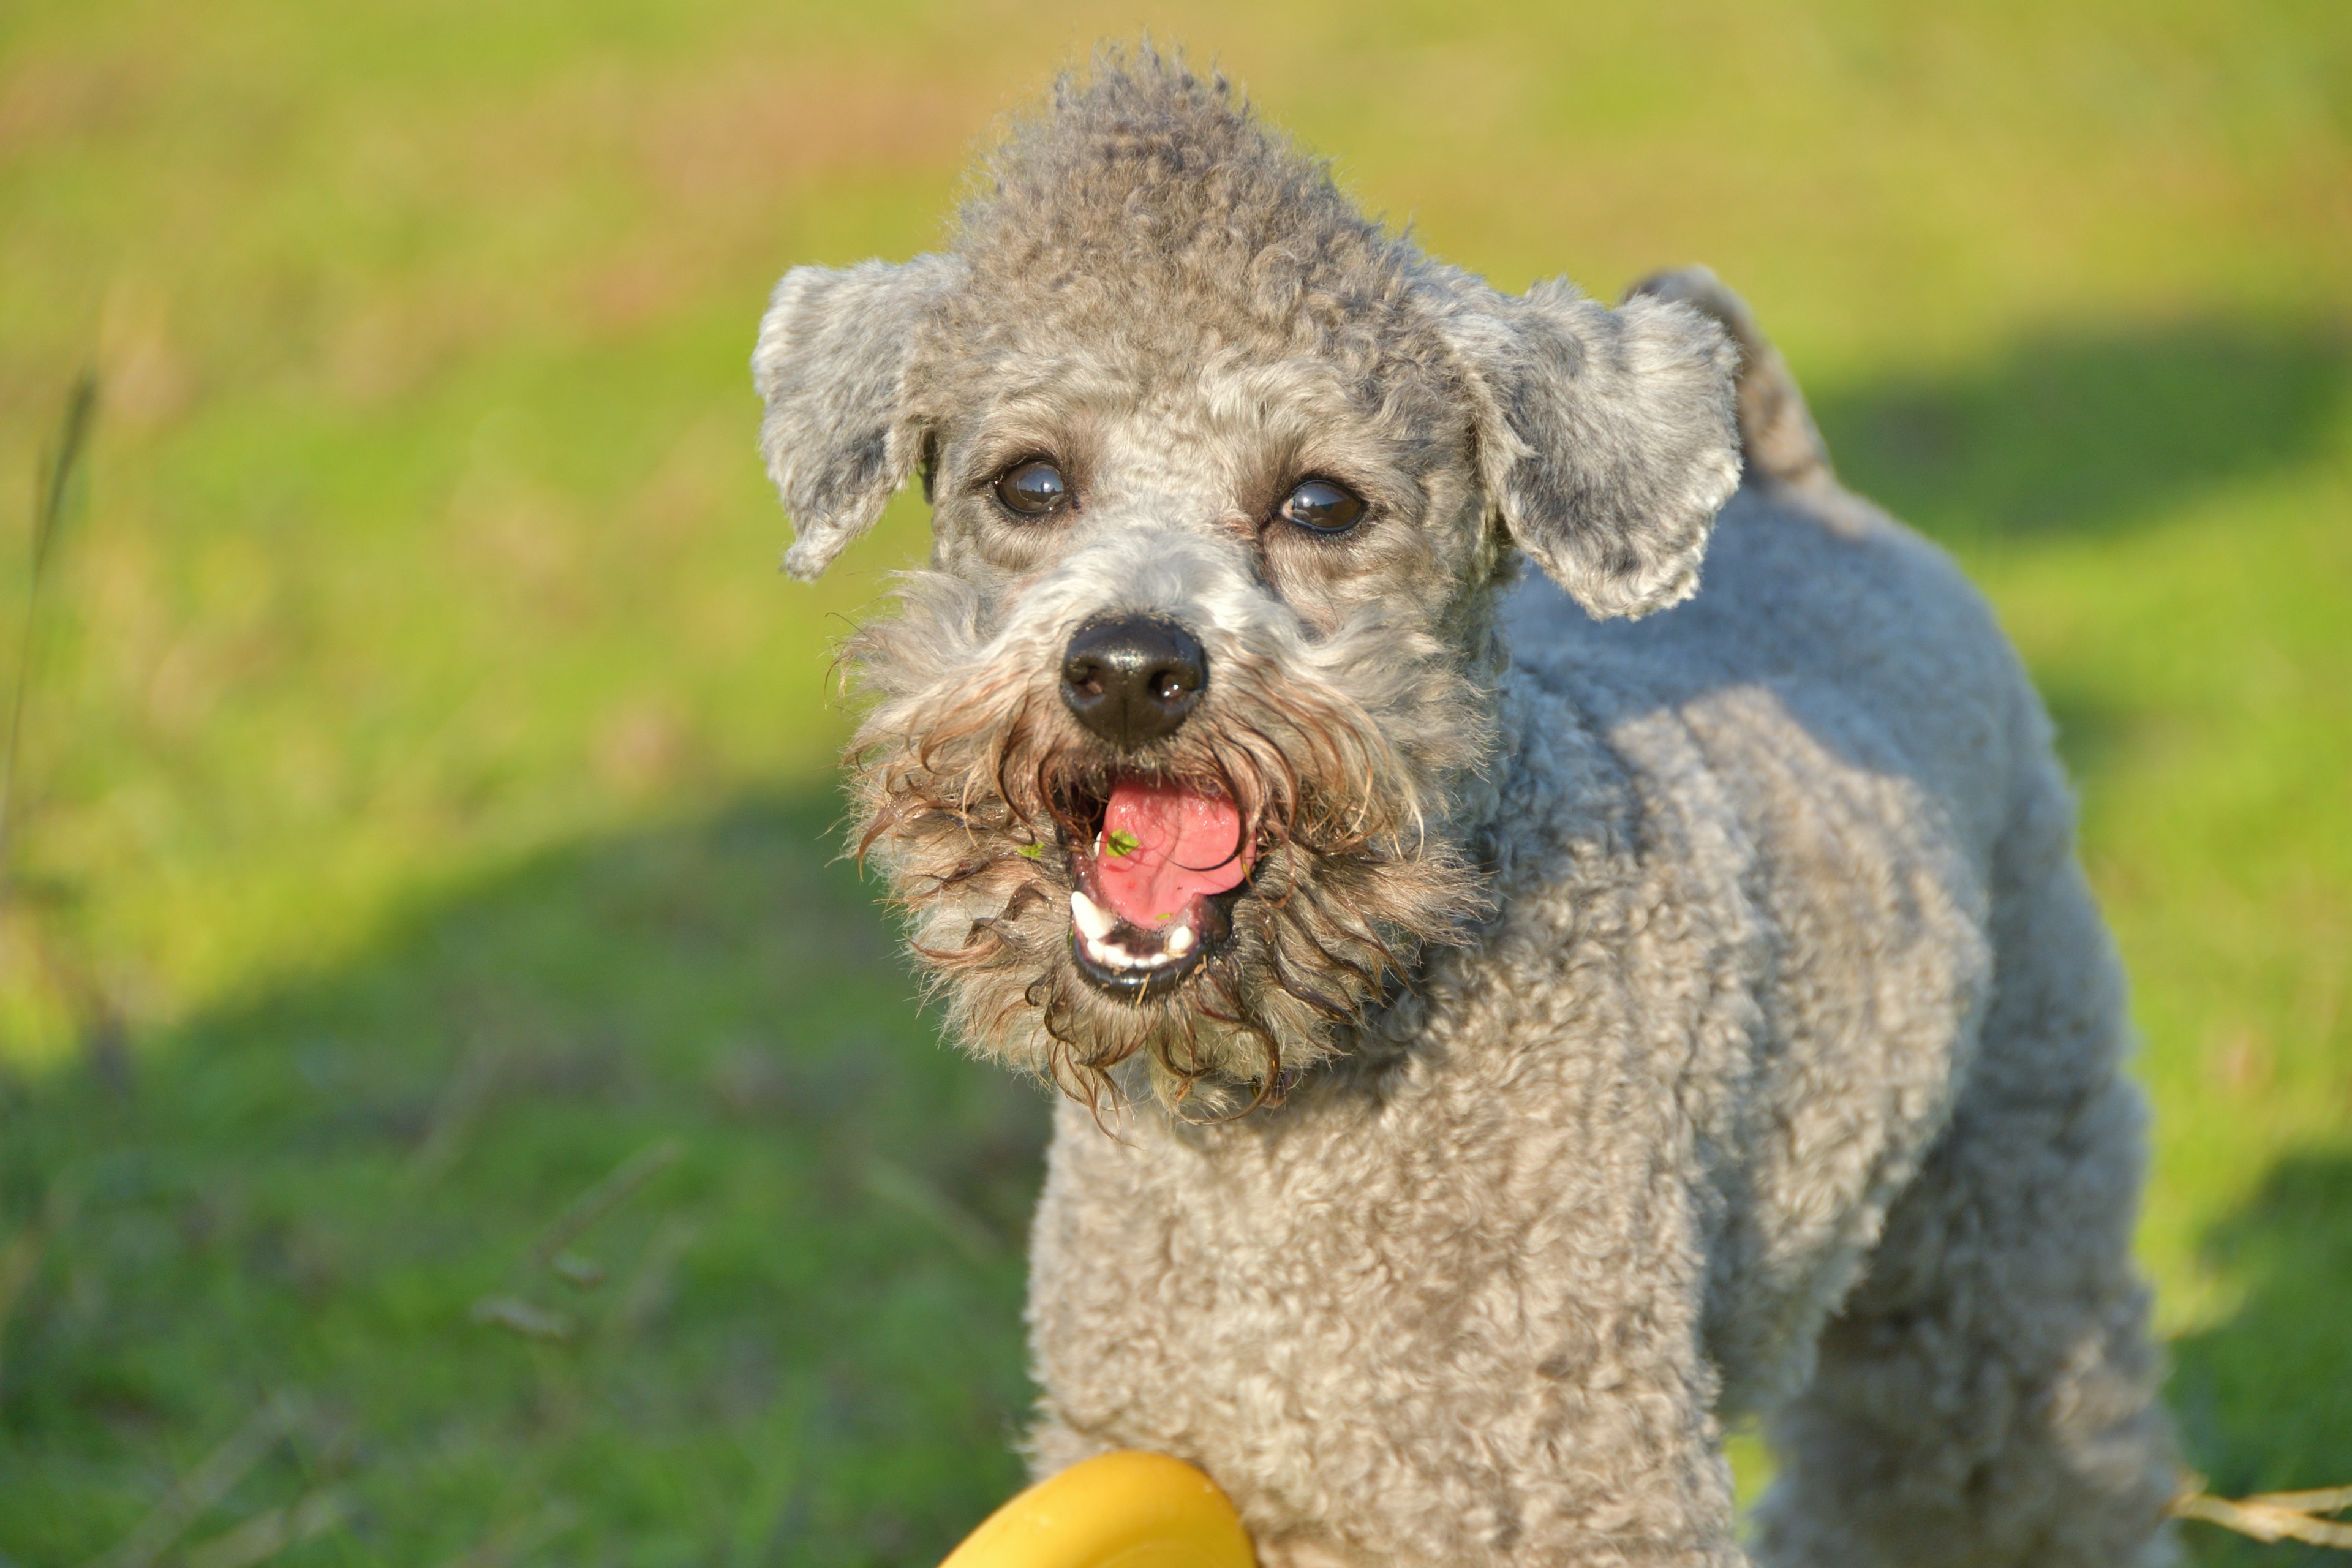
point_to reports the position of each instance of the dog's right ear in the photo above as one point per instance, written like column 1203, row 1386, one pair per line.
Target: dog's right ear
column 840, row 433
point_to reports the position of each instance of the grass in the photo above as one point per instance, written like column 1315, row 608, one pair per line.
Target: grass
column 423, row 811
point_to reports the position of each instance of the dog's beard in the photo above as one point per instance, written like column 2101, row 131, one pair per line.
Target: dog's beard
column 982, row 803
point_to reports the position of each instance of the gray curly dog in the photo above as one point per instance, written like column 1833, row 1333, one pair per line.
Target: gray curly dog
column 1512, row 1024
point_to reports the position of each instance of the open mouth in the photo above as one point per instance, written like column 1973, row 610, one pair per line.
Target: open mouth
column 1153, row 892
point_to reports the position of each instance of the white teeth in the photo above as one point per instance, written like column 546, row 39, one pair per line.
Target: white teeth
column 1094, row 925
column 1090, row 917
column 1118, row 958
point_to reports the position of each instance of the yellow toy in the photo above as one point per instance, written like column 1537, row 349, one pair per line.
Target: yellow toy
column 1127, row 1509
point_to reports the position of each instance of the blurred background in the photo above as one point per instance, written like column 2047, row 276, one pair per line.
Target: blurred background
column 453, row 1110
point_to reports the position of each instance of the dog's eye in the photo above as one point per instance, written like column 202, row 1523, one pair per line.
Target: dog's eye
column 1324, row 507
column 1032, row 488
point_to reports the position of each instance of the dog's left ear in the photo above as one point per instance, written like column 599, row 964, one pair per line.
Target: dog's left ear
column 1607, row 438
column 840, row 433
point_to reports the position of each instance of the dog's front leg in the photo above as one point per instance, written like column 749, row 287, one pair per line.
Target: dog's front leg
column 1622, row 1462
column 1618, row 1466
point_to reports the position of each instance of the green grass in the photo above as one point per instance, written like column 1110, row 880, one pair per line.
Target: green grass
column 426, row 795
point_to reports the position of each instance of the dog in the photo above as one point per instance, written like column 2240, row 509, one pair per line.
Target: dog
column 1511, row 1025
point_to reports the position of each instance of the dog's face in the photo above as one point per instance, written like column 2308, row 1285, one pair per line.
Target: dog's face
column 1174, row 748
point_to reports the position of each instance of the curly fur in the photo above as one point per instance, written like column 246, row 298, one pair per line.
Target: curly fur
column 1647, row 1006
column 965, row 768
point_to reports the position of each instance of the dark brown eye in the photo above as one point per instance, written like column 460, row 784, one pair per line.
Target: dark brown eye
column 1324, row 507
column 1032, row 488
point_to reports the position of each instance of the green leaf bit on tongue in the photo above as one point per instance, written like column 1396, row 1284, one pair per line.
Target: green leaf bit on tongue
column 1163, row 846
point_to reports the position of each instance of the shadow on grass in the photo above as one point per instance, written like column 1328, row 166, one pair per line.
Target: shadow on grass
column 2264, row 1400
column 2090, row 432
column 796, row 1342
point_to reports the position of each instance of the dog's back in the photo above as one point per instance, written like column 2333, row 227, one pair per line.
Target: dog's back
column 1839, row 703
column 1875, row 640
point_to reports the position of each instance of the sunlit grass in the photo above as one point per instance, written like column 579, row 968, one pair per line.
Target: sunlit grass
column 424, row 801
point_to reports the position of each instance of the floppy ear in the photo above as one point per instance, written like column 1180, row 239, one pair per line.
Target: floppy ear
column 1607, row 438
column 840, row 434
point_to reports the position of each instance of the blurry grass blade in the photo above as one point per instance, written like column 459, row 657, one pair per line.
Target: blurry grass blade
column 648, row 1289
column 265, row 1535
column 514, row 1541
column 603, row 1199
column 584, row 1273
column 203, row 1487
column 19, row 1260
column 61, row 468
column 465, row 1095
column 51, row 491
column 518, row 1316
column 903, row 1189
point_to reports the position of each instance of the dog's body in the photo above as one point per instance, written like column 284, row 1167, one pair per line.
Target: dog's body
column 1597, row 1031
column 1762, row 861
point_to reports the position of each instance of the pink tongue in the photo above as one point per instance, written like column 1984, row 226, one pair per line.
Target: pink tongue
column 1163, row 846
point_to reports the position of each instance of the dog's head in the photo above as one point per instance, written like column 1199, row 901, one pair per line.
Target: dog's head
column 1174, row 747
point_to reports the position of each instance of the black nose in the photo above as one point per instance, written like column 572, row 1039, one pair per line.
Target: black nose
column 1133, row 679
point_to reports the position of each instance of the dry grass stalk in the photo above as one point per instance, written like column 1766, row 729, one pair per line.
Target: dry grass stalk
column 465, row 1095
column 603, row 1199
column 549, row 1252
column 2273, row 1516
column 648, row 1286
